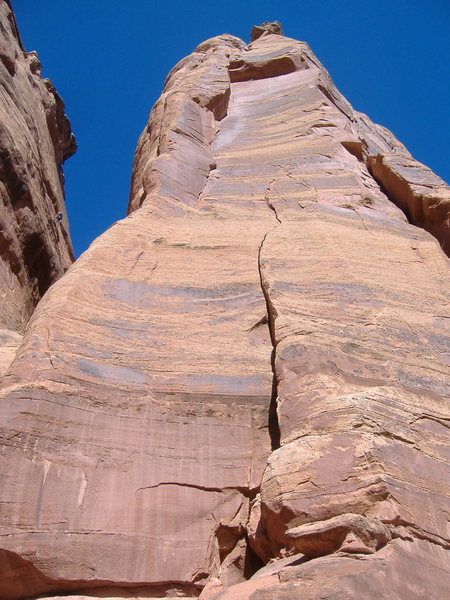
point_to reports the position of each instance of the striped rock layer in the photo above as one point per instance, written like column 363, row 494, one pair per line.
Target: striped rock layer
column 248, row 370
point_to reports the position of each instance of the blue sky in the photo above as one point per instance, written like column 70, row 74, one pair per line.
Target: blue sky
column 108, row 60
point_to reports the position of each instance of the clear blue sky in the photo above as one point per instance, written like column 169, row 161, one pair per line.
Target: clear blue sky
column 108, row 60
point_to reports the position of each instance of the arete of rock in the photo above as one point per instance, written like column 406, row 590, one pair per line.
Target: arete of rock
column 35, row 139
column 251, row 368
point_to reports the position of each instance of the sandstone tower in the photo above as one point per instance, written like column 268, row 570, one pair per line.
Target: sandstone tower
column 239, row 390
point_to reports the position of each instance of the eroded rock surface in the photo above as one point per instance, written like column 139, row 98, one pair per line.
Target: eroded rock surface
column 344, row 533
column 35, row 139
column 261, row 267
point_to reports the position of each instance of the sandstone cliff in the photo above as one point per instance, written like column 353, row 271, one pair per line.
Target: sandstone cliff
column 248, row 370
column 35, row 139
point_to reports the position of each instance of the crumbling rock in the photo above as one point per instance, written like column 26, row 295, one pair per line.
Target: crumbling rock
column 399, row 570
column 264, row 263
column 344, row 533
column 265, row 28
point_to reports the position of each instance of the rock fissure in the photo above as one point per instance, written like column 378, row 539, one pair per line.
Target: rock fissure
column 273, row 425
column 245, row 491
column 157, row 367
column 400, row 528
column 425, row 204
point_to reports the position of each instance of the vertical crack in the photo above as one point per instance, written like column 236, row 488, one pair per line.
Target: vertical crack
column 270, row 205
column 274, row 427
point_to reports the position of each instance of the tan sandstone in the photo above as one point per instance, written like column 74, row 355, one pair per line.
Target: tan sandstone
column 261, row 267
column 35, row 139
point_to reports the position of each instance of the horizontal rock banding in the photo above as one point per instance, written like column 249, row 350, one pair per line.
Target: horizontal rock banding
column 261, row 264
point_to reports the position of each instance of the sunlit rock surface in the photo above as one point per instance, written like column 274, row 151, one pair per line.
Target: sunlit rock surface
column 252, row 364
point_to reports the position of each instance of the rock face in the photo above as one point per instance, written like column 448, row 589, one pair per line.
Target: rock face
column 250, row 366
column 35, row 138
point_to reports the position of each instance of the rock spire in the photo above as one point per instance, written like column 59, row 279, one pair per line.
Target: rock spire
column 239, row 390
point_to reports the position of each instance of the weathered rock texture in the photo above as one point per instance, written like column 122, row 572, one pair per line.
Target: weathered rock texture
column 35, row 138
column 264, row 264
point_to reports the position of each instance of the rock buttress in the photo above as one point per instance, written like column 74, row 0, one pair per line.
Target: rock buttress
column 35, row 139
column 261, row 263
column 151, row 367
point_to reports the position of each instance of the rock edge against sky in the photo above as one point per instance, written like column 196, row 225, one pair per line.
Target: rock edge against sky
column 248, row 370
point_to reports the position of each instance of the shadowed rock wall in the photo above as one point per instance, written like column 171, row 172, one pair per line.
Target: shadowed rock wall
column 35, row 139
column 250, row 368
